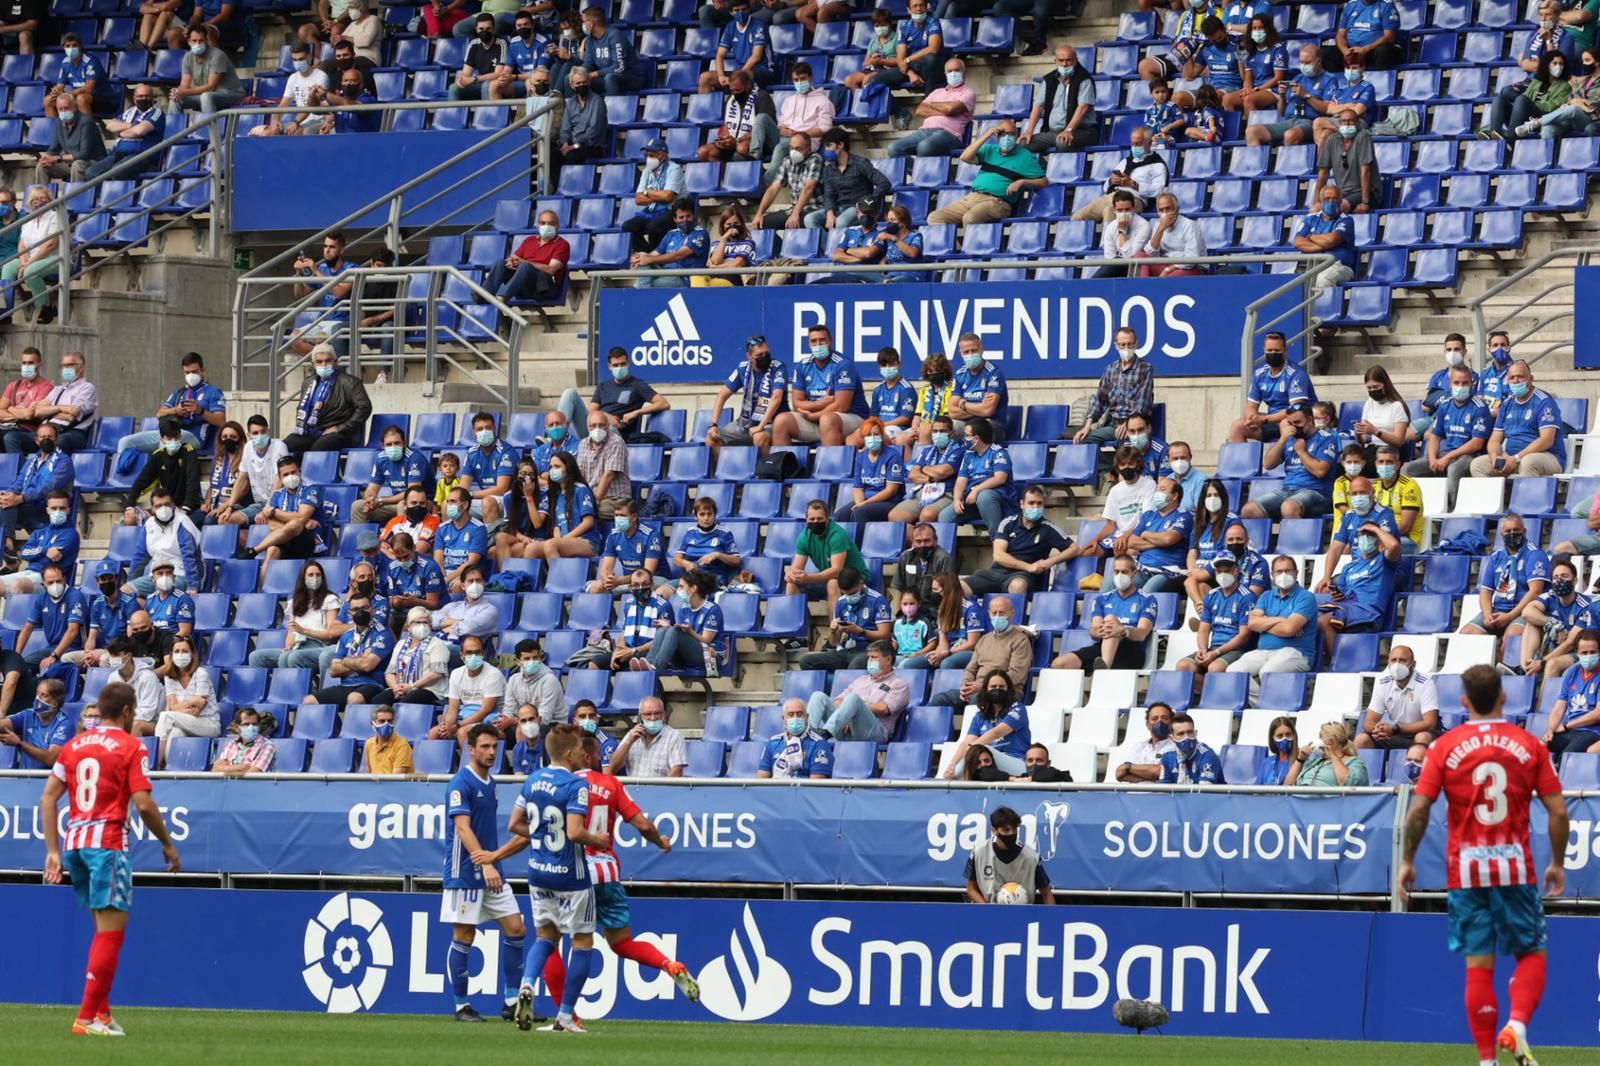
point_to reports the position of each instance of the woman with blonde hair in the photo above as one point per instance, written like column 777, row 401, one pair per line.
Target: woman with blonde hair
column 1330, row 761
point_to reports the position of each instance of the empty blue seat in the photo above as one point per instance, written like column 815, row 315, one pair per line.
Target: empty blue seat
column 1241, row 762
column 1282, row 692
column 855, row 760
column 1355, row 653
column 906, row 761
column 434, row 756
column 705, row 758
column 1172, row 687
column 1225, row 690
column 333, row 756
column 744, row 758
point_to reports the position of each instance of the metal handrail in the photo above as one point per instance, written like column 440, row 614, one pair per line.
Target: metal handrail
column 1482, row 329
column 1313, row 265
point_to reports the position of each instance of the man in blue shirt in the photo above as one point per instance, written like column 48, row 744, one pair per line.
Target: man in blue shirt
column 1575, row 718
column 396, row 469
column 861, row 615
column 170, row 608
column 1371, row 30
column 60, row 614
column 552, row 820
column 412, row 579
column 1275, row 383
column 1120, row 623
column 1138, row 433
column 860, row 242
column 799, row 751
column 108, row 613
column 980, row 387
column 983, row 481
column 743, row 46
column 1529, row 439
column 487, row 470
column 1190, row 762
column 1300, row 101
column 1307, row 456
column 54, row 542
column 140, row 127
column 81, row 76
column 356, row 670
column 1363, row 510
column 1363, row 592
column 1284, row 622
column 475, row 890
column 198, row 406
column 610, row 55
column 1458, row 433
column 684, row 247
column 1513, row 577
column 293, row 517
column 1329, row 231
column 39, row 732
column 893, row 402
column 1355, row 95
column 1438, row 394
column 46, row 470
column 461, row 541
column 1222, row 638
column 1160, row 539
column 762, row 383
column 826, row 401
column 661, row 185
column 630, row 545
column 707, row 546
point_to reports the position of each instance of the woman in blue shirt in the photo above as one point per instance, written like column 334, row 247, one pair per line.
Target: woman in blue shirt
column 1282, row 754
column 224, row 472
column 880, row 478
column 733, row 249
column 569, row 514
column 527, row 518
column 1001, row 725
column 696, row 641
column 1266, row 64
column 1205, row 121
column 902, row 244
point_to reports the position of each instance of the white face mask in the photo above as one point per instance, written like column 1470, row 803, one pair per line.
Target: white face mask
column 1213, row 504
column 164, row 584
column 1285, row 582
column 291, row 481
column 474, row 589
column 1352, row 469
column 1225, row 580
column 56, row 590
column 1180, row 467
column 164, row 513
column 313, row 581
column 181, row 659
column 1127, row 354
column 421, row 631
column 1399, row 671
column 192, row 380
column 1454, row 358
column 1122, row 581
column 529, row 729
column 113, row 663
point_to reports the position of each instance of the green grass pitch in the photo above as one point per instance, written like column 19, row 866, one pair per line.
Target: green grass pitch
column 221, row 1038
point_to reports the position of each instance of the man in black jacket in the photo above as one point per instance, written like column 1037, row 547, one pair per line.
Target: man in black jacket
column 1064, row 120
column 847, row 179
column 173, row 466
column 333, row 409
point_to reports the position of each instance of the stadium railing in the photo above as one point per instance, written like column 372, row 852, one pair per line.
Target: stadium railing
column 1555, row 303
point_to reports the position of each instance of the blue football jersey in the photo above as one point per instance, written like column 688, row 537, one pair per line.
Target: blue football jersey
column 474, row 797
column 547, row 797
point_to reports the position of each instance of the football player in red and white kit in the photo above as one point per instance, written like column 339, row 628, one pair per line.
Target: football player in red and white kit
column 609, row 805
column 101, row 771
column 1489, row 771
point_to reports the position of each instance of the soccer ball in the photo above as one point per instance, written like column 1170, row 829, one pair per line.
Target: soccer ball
column 1011, row 892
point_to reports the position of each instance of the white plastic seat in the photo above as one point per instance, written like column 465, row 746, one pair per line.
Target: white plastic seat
column 1255, row 726
column 1181, row 643
column 1468, row 610
column 1424, row 647
column 1116, row 689
column 1467, row 649
column 1214, row 726
column 1343, row 693
column 1480, row 496
column 1062, row 689
column 1093, row 726
column 1114, row 760
column 1045, row 723
column 1082, row 761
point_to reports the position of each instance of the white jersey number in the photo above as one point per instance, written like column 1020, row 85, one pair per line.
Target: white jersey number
column 1491, row 776
column 88, row 786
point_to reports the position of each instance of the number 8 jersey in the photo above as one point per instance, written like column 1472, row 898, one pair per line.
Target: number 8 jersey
column 102, row 770
column 1489, row 772
column 547, row 797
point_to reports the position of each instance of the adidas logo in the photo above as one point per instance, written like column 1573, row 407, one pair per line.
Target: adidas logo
column 673, row 340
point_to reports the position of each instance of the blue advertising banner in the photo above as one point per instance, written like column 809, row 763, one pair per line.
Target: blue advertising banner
column 1586, row 316
column 335, row 181
column 1088, row 839
column 1258, row 973
column 1187, row 327
column 1583, row 847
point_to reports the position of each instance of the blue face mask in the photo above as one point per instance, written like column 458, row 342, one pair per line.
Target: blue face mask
column 941, row 440
column 619, row 373
column 821, row 352
column 1589, row 662
column 1330, row 208
column 452, row 511
column 1186, row 746
column 1367, row 543
column 1385, row 471
column 1307, row 70
column 620, row 523
column 874, row 667
column 1008, row 143
column 325, row 372
column 171, row 446
column 393, row 452
column 1161, row 729
column 794, row 726
column 1519, row 389
column 1461, row 393
column 874, row 443
column 557, row 474
column 890, row 373
column 384, row 730
column 1033, row 514
column 1138, row 151
column 802, row 87
column 999, row 622
column 1284, row 745
column 69, row 374
column 830, row 156
column 1352, row 75
column 972, row 360
column 474, row 662
column 589, row 725
column 555, row 433
column 198, row 48
column 653, row 726
column 302, row 65
column 1500, row 355
column 249, row 733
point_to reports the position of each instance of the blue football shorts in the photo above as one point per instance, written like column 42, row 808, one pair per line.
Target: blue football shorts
column 102, row 878
column 611, row 901
column 1504, row 920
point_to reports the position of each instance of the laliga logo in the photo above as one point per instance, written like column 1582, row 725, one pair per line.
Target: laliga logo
column 334, row 976
column 1050, row 817
column 765, row 990
column 673, row 340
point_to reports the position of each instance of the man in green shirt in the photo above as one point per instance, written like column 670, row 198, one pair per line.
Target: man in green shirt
column 1580, row 21
column 829, row 548
column 1006, row 170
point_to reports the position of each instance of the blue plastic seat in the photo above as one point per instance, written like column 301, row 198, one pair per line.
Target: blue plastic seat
column 1282, row 692
column 434, row 756
column 1355, row 653
column 336, row 755
column 1172, row 687
column 906, row 761
column 1241, row 762
column 188, row 754
column 705, row 758
column 567, row 576
column 1225, row 690
column 744, row 758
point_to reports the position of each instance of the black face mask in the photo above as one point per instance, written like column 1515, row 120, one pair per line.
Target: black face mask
column 230, row 444
column 416, row 514
column 642, row 595
column 1376, row 394
column 345, row 63
column 1238, row 549
column 486, row 37
column 1274, row 359
column 927, row 553
column 818, row 528
column 938, row 381
column 762, row 363
column 362, row 619
column 364, row 587
column 1128, row 473
column 46, row 445
column 581, row 90
column 525, row 32
column 108, row 589
column 541, row 88
column 143, row 636
column 353, row 91
column 999, row 697
column 1515, row 541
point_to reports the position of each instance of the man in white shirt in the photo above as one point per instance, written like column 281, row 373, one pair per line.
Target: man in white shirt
column 1142, row 172
column 1404, row 710
column 1124, row 236
column 306, row 87
column 259, row 465
column 1173, row 236
column 652, row 748
column 476, row 690
column 1126, row 500
column 149, row 691
column 1142, row 763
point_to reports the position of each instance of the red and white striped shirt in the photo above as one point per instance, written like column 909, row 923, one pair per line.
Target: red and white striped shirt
column 609, row 806
column 1489, row 772
column 102, row 770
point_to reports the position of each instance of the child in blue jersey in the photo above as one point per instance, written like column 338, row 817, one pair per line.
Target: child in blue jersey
column 1162, row 114
column 551, row 819
column 914, row 632
column 1204, row 123
column 475, row 890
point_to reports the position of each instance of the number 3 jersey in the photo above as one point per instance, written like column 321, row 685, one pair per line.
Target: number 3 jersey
column 102, row 769
column 555, row 862
column 1489, row 772
column 609, row 806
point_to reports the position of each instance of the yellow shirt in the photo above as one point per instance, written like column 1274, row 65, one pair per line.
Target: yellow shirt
column 1403, row 494
column 443, row 490
column 393, row 757
column 1341, row 498
column 931, row 407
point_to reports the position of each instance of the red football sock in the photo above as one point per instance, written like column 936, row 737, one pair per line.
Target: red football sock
column 102, row 971
column 1483, row 1010
column 1527, row 986
column 555, row 977
column 641, row 953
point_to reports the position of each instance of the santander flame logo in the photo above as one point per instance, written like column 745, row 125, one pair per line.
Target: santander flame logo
column 753, row 987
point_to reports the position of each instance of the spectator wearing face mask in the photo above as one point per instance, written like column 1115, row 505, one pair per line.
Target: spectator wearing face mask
column 191, row 698
column 60, row 616
column 1354, row 95
column 1363, row 592
column 870, row 706
column 1063, row 118
column 419, row 664
column 533, row 684
column 1038, row 768
column 1284, row 623
column 1001, row 725
column 249, row 750
column 75, row 143
column 733, row 248
column 528, row 753
column 175, row 468
column 800, row 751
column 1509, row 582
column 749, row 127
column 54, row 542
column 109, row 614
column 1329, row 231
column 476, row 689
column 305, row 87
column 1401, row 495
column 631, row 546
column 1191, row 761
column 1575, row 718
column 1439, row 389
column 1007, row 170
column 946, row 115
column 1360, row 505
column 683, row 247
column 1005, row 860
column 1124, row 235
column 603, row 462
column 354, row 672
column 1555, row 621
column 39, row 732
column 1213, row 518
column 1142, row 173
column 761, row 381
column 140, row 127
column 1120, row 622
column 879, row 478
column 830, row 550
column 169, row 537
column 386, row 752
column 1160, row 539
column 1027, row 548
column 1283, row 752
column 1126, row 387
column 1307, row 457
column 412, row 579
column 1403, row 714
column 934, row 468
column 207, row 81
column 538, row 267
column 485, row 65
column 585, row 131
column 861, row 615
column 1529, row 437
column 1275, row 384
column 661, row 185
column 1222, row 638
column 1142, row 762
column 922, row 562
column 471, row 616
